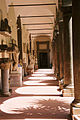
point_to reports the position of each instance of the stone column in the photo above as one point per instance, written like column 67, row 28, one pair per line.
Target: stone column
column 57, row 65
column 11, row 66
column 61, row 44
column 55, row 57
column 5, row 78
column 53, row 52
column 25, row 72
column 61, row 49
column 68, row 59
column 75, row 106
column 57, row 52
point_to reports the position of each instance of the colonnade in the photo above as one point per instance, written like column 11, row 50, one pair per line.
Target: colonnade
column 75, row 106
column 69, row 54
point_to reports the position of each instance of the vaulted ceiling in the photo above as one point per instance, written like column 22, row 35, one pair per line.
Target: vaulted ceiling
column 35, row 14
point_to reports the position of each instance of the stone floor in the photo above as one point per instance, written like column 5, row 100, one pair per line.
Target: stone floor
column 37, row 99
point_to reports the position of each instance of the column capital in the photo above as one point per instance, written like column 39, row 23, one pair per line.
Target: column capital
column 5, row 66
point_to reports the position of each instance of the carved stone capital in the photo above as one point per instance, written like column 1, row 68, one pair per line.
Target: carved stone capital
column 4, row 66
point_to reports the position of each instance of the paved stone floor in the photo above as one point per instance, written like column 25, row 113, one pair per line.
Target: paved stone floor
column 37, row 99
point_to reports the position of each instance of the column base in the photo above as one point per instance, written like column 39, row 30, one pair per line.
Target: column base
column 75, row 110
column 68, row 91
column 6, row 94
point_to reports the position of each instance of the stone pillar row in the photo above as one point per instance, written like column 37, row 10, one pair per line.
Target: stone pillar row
column 68, row 54
column 71, row 55
column 64, row 52
column 75, row 106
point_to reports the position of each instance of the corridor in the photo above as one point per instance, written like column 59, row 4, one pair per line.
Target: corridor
column 38, row 98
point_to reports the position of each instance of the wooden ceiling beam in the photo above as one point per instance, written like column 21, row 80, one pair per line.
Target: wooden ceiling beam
column 41, row 36
column 38, row 24
column 28, row 5
column 39, row 33
column 40, row 29
column 36, row 16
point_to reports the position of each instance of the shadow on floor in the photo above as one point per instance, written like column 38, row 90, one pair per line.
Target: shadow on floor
column 42, row 109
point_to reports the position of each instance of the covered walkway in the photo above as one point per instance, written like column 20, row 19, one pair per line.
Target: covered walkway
column 38, row 98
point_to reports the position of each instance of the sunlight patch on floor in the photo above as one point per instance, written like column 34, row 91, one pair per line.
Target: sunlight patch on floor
column 33, row 83
column 38, row 75
column 44, row 72
column 38, row 90
column 42, row 78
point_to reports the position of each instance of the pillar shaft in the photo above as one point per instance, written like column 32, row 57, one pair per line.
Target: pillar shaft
column 76, row 47
column 75, row 106
column 53, row 50
column 5, row 81
column 61, row 49
column 68, row 52
column 24, row 66
column 55, row 59
column 57, row 65
column 5, row 78
column 67, row 47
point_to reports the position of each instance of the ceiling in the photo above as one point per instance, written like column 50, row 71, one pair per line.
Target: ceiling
column 44, row 24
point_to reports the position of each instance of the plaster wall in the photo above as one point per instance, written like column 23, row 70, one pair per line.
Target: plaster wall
column 12, row 22
column 3, row 8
